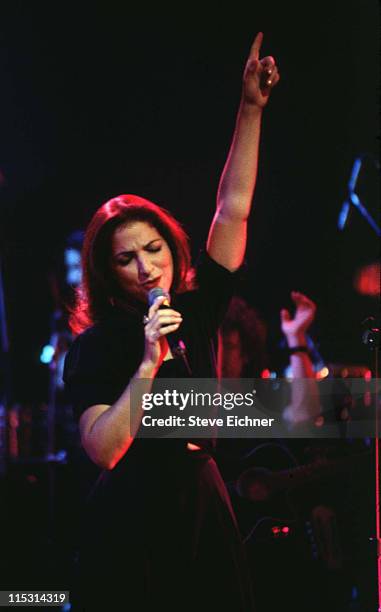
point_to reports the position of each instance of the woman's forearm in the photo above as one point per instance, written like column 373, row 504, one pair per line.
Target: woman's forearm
column 236, row 188
column 227, row 235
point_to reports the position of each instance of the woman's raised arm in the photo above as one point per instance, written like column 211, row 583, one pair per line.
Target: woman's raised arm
column 227, row 234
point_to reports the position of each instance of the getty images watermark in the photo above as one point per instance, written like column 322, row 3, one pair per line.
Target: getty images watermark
column 240, row 408
column 205, row 401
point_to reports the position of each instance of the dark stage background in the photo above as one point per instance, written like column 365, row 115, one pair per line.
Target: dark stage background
column 104, row 100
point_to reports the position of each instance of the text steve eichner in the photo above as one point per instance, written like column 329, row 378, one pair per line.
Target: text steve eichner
column 230, row 420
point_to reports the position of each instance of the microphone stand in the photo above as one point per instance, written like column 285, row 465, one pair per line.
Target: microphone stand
column 53, row 457
column 371, row 337
column 353, row 199
column 5, row 386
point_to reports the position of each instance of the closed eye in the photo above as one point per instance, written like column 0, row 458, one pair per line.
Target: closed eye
column 125, row 258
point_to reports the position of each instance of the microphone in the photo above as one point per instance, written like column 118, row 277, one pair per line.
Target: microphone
column 176, row 344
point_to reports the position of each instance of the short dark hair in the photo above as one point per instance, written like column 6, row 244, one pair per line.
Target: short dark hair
column 98, row 286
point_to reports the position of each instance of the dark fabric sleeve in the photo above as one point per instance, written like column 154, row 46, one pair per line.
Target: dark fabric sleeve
column 216, row 286
column 89, row 373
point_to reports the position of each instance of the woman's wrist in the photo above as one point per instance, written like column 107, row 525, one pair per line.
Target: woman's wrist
column 251, row 109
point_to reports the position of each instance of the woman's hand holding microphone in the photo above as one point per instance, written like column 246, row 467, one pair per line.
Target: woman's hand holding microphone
column 159, row 322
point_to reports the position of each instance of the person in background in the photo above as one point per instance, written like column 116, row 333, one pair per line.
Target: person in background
column 295, row 530
column 243, row 352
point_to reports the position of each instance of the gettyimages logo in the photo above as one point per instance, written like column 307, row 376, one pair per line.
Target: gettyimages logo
column 251, row 408
column 193, row 399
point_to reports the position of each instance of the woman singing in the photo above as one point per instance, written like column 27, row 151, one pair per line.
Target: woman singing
column 158, row 530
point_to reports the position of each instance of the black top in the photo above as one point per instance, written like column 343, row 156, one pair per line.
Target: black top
column 104, row 358
column 165, row 507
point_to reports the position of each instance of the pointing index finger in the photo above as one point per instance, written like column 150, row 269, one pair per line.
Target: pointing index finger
column 256, row 46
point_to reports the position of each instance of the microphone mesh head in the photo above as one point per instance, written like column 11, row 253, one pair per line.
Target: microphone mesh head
column 154, row 293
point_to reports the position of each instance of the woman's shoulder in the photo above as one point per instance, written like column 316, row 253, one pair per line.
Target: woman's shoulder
column 103, row 345
column 105, row 329
column 213, row 287
column 89, row 337
column 208, row 269
column 85, row 350
column 209, row 278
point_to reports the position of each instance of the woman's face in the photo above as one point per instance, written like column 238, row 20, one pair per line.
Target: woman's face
column 141, row 259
